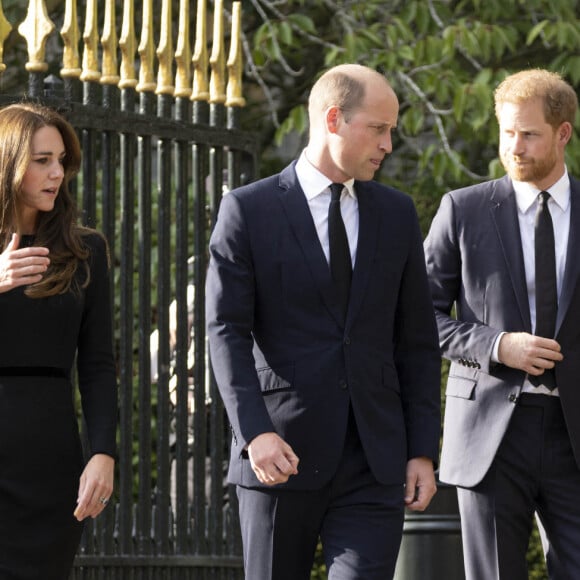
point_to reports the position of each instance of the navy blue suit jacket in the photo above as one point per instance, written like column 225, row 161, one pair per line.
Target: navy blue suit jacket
column 286, row 362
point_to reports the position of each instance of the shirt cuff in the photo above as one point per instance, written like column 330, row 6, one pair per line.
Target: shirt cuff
column 495, row 350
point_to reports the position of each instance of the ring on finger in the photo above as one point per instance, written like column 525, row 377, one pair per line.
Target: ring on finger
column 104, row 500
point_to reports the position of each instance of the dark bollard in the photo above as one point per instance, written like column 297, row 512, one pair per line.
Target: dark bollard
column 431, row 547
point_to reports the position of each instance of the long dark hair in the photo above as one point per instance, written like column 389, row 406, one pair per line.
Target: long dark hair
column 58, row 229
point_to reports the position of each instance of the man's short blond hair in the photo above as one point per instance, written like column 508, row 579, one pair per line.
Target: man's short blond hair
column 558, row 97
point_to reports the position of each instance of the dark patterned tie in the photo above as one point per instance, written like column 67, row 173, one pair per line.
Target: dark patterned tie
column 546, row 289
column 340, row 262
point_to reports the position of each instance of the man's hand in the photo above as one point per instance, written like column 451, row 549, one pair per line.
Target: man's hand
column 272, row 459
column 420, row 486
column 529, row 353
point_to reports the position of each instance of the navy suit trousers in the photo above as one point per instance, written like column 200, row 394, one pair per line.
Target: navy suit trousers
column 358, row 520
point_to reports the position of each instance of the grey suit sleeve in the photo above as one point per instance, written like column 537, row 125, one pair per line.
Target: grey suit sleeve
column 463, row 338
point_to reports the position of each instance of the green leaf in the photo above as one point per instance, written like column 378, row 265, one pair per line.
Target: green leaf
column 332, row 56
column 284, row 33
column 425, row 157
column 495, row 169
column 299, row 116
column 372, row 36
column 449, row 39
column 412, row 120
column 423, row 19
column 285, row 127
column 261, row 34
column 459, row 103
column 439, row 165
column 272, row 48
column 509, row 38
column 406, row 53
column 483, row 37
column 536, row 31
column 303, row 21
column 483, row 77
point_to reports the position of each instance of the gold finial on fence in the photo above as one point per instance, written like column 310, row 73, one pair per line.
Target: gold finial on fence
column 70, row 37
column 183, row 53
column 165, row 52
column 36, row 28
column 127, row 45
column 90, row 70
column 234, row 89
column 200, row 60
column 109, row 43
column 146, row 75
column 5, row 29
column 217, row 92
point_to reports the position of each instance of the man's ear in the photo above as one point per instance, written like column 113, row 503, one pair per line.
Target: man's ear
column 564, row 132
column 333, row 116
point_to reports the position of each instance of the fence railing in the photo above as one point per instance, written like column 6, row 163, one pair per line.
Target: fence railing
column 159, row 150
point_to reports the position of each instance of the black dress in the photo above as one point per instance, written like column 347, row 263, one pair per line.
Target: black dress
column 40, row 451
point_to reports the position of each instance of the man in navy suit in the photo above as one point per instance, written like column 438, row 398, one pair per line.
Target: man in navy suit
column 511, row 436
column 334, row 403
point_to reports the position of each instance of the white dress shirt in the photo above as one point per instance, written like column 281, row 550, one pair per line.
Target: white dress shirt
column 559, row 206
column 316, row 189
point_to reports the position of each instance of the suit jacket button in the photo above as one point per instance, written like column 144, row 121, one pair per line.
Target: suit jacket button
column 347, row 340
column 342, row 384
column 513, row 398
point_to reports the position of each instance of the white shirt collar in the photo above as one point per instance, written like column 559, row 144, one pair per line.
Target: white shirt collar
column 526, row 193
column 313, row 182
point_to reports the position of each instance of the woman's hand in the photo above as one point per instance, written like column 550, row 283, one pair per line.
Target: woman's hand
column 19, row 267
column 96, row 486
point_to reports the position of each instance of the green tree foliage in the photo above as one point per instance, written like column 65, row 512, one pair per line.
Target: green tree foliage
column 444, row 58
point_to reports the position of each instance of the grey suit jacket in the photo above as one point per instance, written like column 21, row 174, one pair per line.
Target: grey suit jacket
column 475, row 264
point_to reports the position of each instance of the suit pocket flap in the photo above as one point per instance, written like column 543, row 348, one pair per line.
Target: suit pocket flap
column 460, row 387
column 271, row 380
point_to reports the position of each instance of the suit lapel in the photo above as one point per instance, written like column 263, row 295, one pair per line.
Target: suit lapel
column 366, row 248
column 572, row 263
column 300, row 219
column 504, row 215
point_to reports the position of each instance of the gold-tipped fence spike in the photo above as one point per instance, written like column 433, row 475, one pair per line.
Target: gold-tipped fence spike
column 183, row 54
column 36, row 29
column 70, row 36
column 110, row 74
column 127, row 46
column 234, row 96
column 165, row 53
column 146, row 51
column 5, row 29
column 200, row 60
column 90, row 70
column 217, row 93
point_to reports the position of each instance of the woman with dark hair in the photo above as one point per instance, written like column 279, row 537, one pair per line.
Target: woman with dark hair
column 54, row 311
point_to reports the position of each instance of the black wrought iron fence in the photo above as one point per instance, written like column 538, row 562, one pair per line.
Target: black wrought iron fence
column 159, row 150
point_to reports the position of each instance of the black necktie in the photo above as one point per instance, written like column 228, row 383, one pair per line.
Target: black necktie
column 340, row 263
column 546, row 290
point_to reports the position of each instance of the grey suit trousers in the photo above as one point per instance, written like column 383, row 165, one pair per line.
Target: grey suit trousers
column 533, row 472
